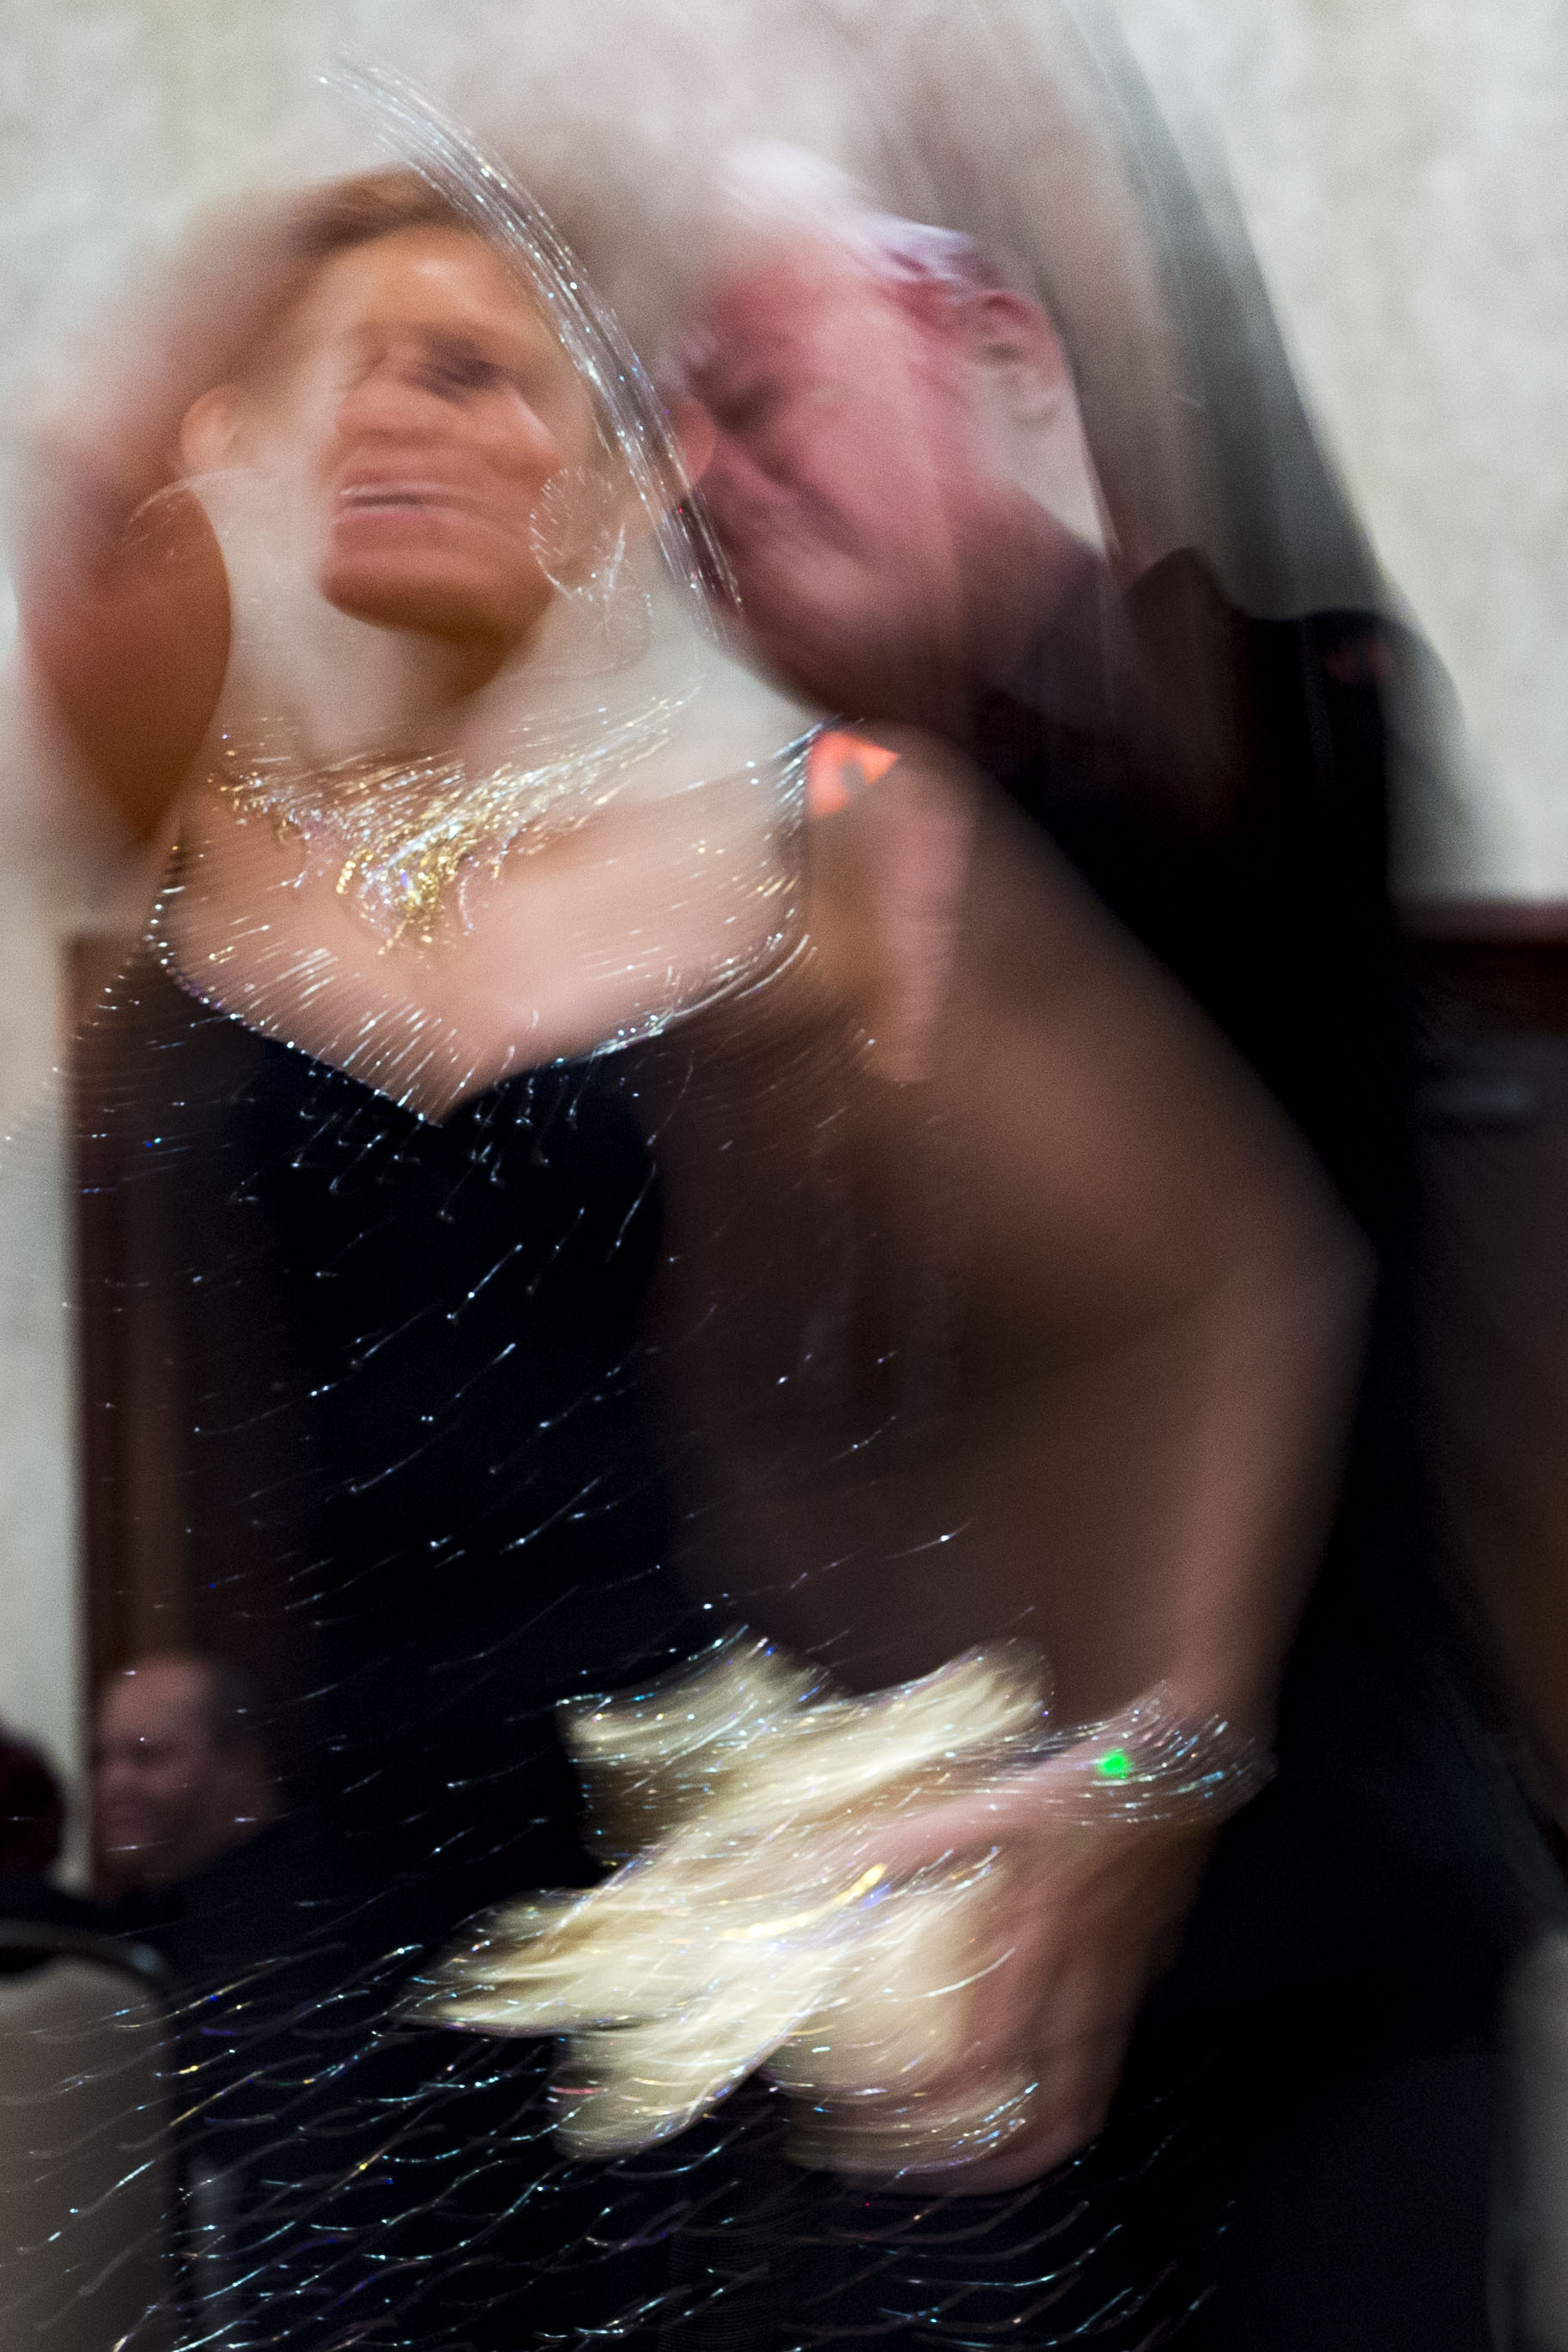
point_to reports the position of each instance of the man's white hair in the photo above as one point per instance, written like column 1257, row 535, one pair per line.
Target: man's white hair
column 771, row 189
column 768, row 193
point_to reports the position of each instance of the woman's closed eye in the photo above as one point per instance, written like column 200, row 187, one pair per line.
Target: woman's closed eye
column 453, row 370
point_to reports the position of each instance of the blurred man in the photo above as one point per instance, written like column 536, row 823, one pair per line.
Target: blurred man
column 904, row 485
column 180, row 1775
column 903, row 482
column 900, row 475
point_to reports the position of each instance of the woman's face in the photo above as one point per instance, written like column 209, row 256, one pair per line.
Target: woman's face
column 420, row 403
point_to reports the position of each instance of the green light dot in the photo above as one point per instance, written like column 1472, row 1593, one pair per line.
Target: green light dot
column 1117, row 1766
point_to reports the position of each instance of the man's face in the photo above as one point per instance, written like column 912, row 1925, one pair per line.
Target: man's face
column 159, row 1787
column 853, row 483
column 419, row 403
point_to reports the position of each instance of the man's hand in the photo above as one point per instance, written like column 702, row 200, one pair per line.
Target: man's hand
column 1082, row 1921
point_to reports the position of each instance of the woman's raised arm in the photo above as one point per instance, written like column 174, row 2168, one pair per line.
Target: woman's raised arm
column 122, row 594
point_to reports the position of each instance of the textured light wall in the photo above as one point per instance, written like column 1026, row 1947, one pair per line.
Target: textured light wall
column 1400, row 167
column 37, row 1582
column 115, row 117
column 1399, row 163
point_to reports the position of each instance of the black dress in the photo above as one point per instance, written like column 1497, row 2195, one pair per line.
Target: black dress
column 402, row 1403
column 422, row 1455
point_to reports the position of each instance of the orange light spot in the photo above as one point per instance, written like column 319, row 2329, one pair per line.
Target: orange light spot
column 838, row 768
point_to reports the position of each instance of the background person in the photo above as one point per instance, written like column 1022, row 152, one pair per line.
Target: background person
column 181, row 1776
column 32, row 1830
column 31, row 1808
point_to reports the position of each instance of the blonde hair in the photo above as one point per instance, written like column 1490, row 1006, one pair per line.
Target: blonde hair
column 769, row 186
column 347, row 213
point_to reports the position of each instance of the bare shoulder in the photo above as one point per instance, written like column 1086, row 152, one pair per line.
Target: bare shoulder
column 892, row 819
column 938, row 900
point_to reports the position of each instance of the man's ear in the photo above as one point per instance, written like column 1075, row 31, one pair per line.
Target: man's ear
column 208, row 431
column 1016, row 342
column 696, row 435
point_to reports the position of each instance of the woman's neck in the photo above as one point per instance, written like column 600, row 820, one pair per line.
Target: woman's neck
column 354, row 684
column 338, row 682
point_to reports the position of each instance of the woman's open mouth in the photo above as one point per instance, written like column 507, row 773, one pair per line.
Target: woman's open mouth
column 397, row 496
